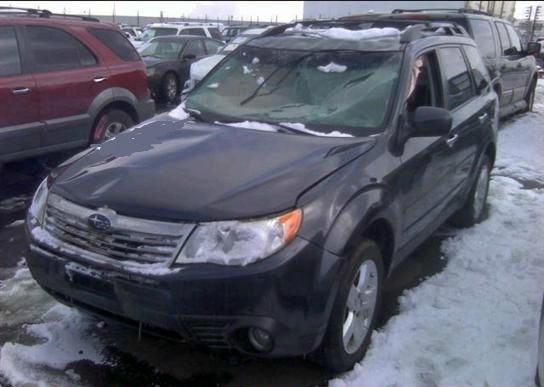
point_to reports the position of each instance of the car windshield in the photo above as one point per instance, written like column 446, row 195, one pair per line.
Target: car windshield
column 164, row 49
column 322, row 90
column 151, row 33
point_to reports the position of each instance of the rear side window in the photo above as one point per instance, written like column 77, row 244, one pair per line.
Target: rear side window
column 459, row 87
column 194, row 47
column 514, row 39
column 214, row 32
column 503, row 36
column 55, row 50
column 10, row 62
column 481, row 29
column 478, row 69
column 117, row 43
column 212, row 47
column 193, row 31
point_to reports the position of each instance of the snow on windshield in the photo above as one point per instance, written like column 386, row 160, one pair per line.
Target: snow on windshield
column 332, row 68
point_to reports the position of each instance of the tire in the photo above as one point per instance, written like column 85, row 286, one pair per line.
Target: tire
column 110, row 124
column 530, row 98
column 339, row 353
column 170, row 88
column 473, row 209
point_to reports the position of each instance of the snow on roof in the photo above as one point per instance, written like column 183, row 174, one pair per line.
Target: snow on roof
column 371, row 33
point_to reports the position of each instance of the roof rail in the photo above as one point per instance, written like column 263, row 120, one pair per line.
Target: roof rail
column 41, row 13
column 457, row 10
column 421, row 30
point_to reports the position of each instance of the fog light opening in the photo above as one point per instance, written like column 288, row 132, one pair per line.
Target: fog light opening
column 260, row 339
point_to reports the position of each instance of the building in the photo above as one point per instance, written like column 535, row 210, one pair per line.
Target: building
column 332, row 9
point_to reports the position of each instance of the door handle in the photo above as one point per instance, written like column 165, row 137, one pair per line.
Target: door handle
column 452, row 140
column 482, row 118
column 99, row 79
column 21, row 91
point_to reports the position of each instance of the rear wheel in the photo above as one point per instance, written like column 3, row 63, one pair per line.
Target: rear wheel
column 170, row 88
column 355, row 310
column 473, row 210
column 110, row 124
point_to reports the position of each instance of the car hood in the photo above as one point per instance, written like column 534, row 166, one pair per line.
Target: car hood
column 188, row 171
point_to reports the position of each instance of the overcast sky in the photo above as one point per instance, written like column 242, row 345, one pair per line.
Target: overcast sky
column 265, row 10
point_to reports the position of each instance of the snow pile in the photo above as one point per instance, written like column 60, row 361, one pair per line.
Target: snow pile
column 64, row 340
column 371, row 33
column 251, row 125
column 179, row 112
column 475, row 323
column 332, row 68
column 302, row 128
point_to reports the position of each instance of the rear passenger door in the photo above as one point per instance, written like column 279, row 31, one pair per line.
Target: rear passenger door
column 20, row 126
column 68, row 78
column 513, row 66
column 472, row 105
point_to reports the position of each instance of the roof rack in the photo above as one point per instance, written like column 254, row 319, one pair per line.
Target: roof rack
column 40, row 13
column 421, row 30
column 457, row 10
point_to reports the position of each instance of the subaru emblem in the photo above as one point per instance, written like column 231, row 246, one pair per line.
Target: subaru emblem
column 99, row 222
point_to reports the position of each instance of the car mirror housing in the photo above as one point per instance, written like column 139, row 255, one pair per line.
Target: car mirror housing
column 533, row 48
column 431, row 121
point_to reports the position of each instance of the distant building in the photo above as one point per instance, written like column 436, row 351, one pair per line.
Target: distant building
column 332, row 9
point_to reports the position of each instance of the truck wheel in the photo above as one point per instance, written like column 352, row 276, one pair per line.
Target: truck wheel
column 169, row 88
column 110, row 124
column 473, row 210
column 354, row 312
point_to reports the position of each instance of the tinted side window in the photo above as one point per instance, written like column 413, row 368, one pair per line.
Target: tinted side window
column 193, row 31
column 214, row 32
column 458, row 87
column 117, row 43
column 503, row 36
column 56, row 50
column 481, row 29
column 211, row 46
column 10, row 63
column 514, row 38
column 478, row 69
column 195, row 47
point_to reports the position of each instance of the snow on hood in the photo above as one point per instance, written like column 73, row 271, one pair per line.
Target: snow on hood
column 332, row 68
column 302, row 128
column 179, row 113
column 202, row 67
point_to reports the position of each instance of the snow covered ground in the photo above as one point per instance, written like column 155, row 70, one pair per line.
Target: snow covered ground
column 473, row 324
column 476, row 322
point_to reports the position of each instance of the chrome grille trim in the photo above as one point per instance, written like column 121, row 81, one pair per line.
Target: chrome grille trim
column 129, row 239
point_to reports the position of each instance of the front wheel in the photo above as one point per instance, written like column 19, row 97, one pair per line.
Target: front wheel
column 530, row 98
column 355, row 310
column 473, row 210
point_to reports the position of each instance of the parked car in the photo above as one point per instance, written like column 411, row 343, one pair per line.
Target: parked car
column 168, row 60
column 65, row 82
column 310, row 163
column 132, row 32
column 511, row 66
column 179, row 28
column 200, row 68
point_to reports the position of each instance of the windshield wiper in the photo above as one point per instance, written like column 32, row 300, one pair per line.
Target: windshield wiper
column 291, row 130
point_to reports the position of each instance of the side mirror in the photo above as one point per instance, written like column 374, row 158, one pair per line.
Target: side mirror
column 533, row 48
column 431, row 121
column 189, row 57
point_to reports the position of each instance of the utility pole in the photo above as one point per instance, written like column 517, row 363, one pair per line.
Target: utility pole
column 537, row 16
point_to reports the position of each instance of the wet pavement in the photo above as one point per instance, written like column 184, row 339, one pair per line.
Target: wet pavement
column 154, row 361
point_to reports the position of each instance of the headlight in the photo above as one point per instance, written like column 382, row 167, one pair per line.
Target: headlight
column 240, row 243
column 37, row 208
column 150, row 71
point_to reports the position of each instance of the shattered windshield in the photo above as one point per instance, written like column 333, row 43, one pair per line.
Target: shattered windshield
column 327, row 90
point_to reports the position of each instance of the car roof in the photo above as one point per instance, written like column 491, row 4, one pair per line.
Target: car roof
column 43, row 16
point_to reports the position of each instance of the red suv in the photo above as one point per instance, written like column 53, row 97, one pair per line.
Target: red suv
column 65, row 82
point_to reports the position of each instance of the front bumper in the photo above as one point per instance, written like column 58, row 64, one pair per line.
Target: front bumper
column 289, row 295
